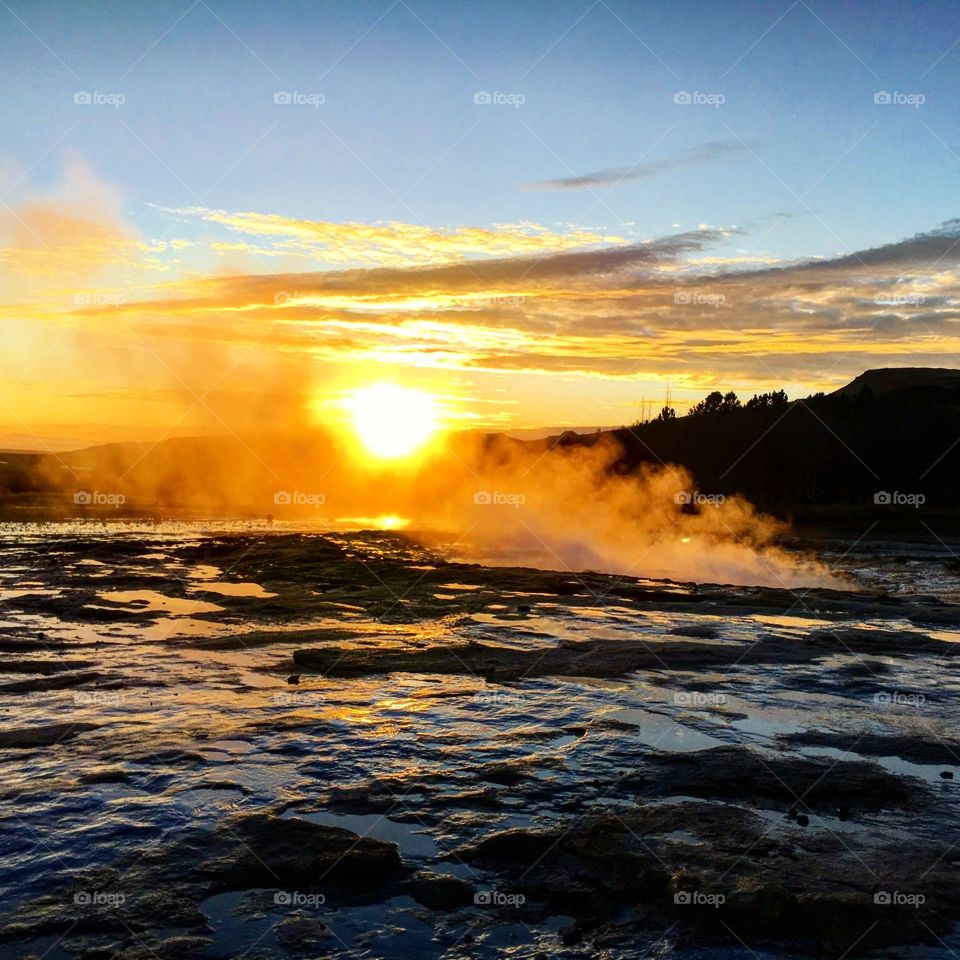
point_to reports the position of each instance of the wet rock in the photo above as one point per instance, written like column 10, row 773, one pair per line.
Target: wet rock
column 105, row 775
column 301, row 934
column 535, row 733
column 42, row 735
column 504, row 664
column 61, row 681
column 220, row 785
column 269, row 638
column 263, row 850
column 172, row 948
column 171, row 756
column 915, row 748
column 511, row 846
column 571, row 935
column 506, row 774
column 21, row 644
column 245, row 852
column 702, row 631
column 738, row 773
column 374, row 796
column 44, row 668
column 841, row 639
column 710, row 869
column 438, row 891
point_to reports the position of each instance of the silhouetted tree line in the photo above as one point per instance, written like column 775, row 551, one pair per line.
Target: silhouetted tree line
column 717, row 402
column 821, row 451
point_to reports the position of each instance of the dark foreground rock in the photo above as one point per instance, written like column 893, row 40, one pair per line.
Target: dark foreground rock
column 41, row 735
column 746, row 775
column 262, row 849
column 439, row 892
column 61, row 681
column 606, row 658
column 504, row 664
column 916, row 749
column 259, row 850
column 719, row 874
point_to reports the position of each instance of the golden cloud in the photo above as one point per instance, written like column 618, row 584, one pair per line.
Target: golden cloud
column 659, row 312
column 394, row 244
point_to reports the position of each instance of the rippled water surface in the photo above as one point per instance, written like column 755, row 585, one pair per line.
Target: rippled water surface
column 154, row 668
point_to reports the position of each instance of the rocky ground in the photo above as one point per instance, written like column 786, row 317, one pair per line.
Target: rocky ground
column 265, row 744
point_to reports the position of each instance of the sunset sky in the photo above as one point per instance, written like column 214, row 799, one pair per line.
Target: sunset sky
column 223, row 217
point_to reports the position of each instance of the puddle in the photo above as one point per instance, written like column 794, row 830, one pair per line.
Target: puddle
column 659, row 732
column 151, row 601
column 410, row 842
column 233, row 589
column 171, row 627
column 29, row 592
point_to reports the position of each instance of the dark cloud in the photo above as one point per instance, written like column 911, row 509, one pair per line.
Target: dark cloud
column 585, row 266
column 706, row 153
column 933, row 249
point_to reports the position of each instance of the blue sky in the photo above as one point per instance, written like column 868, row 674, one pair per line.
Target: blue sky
column 598, row 82
column 184, row 170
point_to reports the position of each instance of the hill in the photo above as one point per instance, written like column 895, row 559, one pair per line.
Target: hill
column 893, row 431
column 892, row 381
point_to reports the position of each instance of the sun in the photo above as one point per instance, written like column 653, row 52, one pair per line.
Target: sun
column 392, row 421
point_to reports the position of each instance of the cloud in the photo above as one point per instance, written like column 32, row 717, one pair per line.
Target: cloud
column 706, row 153
column 69, row 233
column 394, row 244
column 586, row 321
